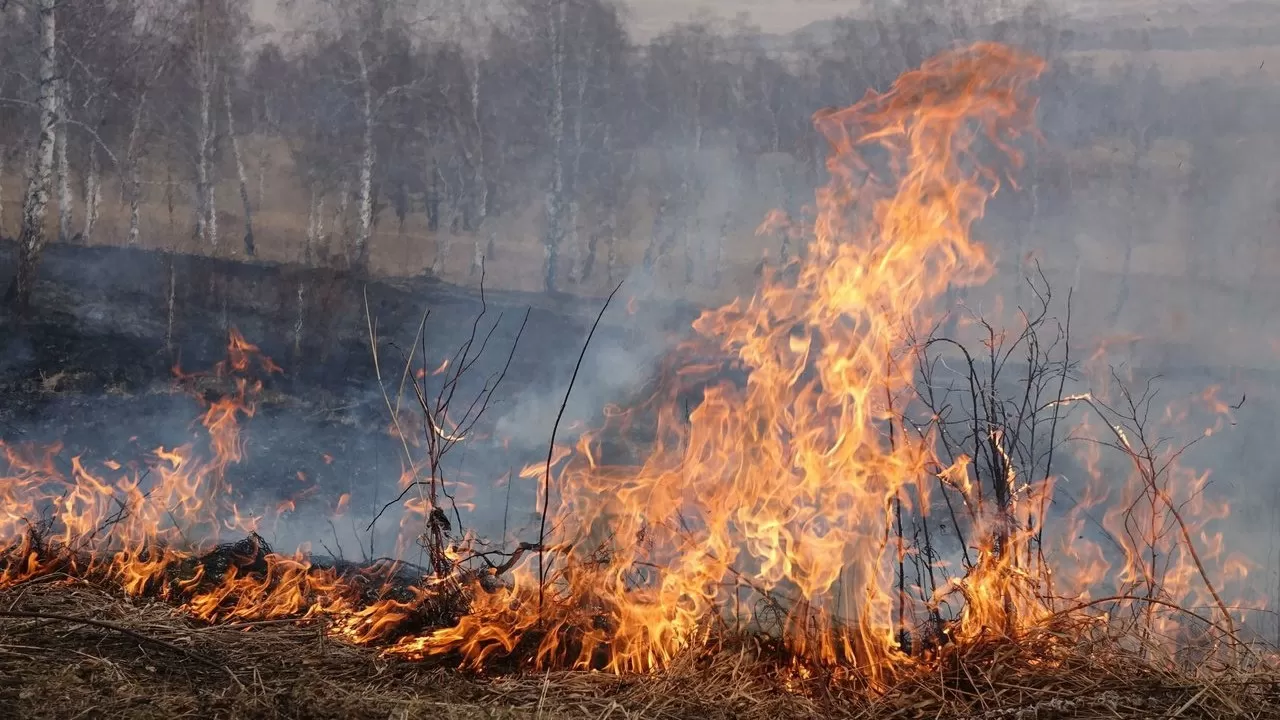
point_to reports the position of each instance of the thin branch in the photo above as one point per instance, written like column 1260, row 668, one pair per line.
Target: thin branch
column 551, row 449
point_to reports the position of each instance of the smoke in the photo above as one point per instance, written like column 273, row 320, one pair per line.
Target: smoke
column 1152, row 199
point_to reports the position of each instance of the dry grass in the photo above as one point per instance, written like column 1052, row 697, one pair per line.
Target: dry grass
column 145, row 660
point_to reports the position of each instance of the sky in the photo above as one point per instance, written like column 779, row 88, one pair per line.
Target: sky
column 651, row 16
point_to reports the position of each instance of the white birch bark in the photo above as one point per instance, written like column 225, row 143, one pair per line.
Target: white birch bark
column 92, row 194
column 555, row 194
column 299, row 322
column 341, row 220
column 133, row 161
column 365, row 226
column 479, row 179
column 206, row 213
column 241, row 175
column 35, row 203
column 62, row 170
column 577, row 266
column 314, row 209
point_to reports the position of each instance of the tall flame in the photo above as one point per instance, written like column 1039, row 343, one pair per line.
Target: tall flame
column 784, row 484
column 777, row 502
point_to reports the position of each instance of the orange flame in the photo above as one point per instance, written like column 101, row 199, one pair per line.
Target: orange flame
column 784, row 485
column 773, row 502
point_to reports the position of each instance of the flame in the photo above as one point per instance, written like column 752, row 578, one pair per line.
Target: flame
column 776, row 503
column 785, row 484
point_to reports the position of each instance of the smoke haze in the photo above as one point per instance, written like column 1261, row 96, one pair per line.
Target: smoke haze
column 565, row 151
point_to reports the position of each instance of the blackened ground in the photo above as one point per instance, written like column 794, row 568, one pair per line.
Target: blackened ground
column 91, row 366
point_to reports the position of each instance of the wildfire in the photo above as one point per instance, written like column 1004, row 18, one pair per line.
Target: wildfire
column 778, row 502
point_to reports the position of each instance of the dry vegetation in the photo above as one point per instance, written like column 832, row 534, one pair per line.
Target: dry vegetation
column 68, row 649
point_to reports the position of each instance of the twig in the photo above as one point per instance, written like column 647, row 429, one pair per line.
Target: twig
column 1173, row 511
column 551, row 449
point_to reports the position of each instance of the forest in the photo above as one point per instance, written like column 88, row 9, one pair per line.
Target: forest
column 422, row 136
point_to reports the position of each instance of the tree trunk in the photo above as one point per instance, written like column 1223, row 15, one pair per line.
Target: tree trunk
column 555, row 200
column 205, row 218
column 92, row 194
column 249, row 248
column 134, row 169
column 480, row 183
column 171, row 306
column 263, row 164
column 211, row 202
column 444, row 238
column 577, row 268
column 63, row 170
column 364, row 229
column 314, row 208
column 31, row 238
column 2, row 168
column 341, row 222
column 299, row 322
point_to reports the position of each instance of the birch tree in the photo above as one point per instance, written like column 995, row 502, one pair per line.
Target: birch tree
column 241, row 175
column 203, row 67
column 62, row 169
column 210, row 40
column 35, row 203
column 369, row 36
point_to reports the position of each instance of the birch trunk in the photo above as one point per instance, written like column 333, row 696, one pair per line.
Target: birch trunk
column 299, row 322
column 478, row 178
column 211, row 194
column 243, row 177
column 364, row 229
column 555, row 195
column 442, row 231
column 206, row 214
column 202, row 167
column 2, row 168
column 263, row 163
column 62, row 172
column 314, row 209
column 135, row 171
column 577, row 267
column 341, row 220
column 35, row 203
column 92, row 194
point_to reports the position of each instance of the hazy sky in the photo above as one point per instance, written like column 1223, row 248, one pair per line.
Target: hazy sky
column 651, row 16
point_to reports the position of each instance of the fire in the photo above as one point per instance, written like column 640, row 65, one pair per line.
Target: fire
column 777, row 503
column 785, row 485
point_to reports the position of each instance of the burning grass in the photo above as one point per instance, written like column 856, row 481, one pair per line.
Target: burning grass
column 850, row 528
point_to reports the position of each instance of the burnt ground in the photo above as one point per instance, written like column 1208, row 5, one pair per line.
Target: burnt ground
column 92, row 367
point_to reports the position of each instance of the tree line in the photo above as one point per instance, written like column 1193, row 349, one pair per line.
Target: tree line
column 546, row 109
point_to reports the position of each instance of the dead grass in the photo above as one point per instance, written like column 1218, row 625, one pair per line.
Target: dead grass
column 145, row 660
